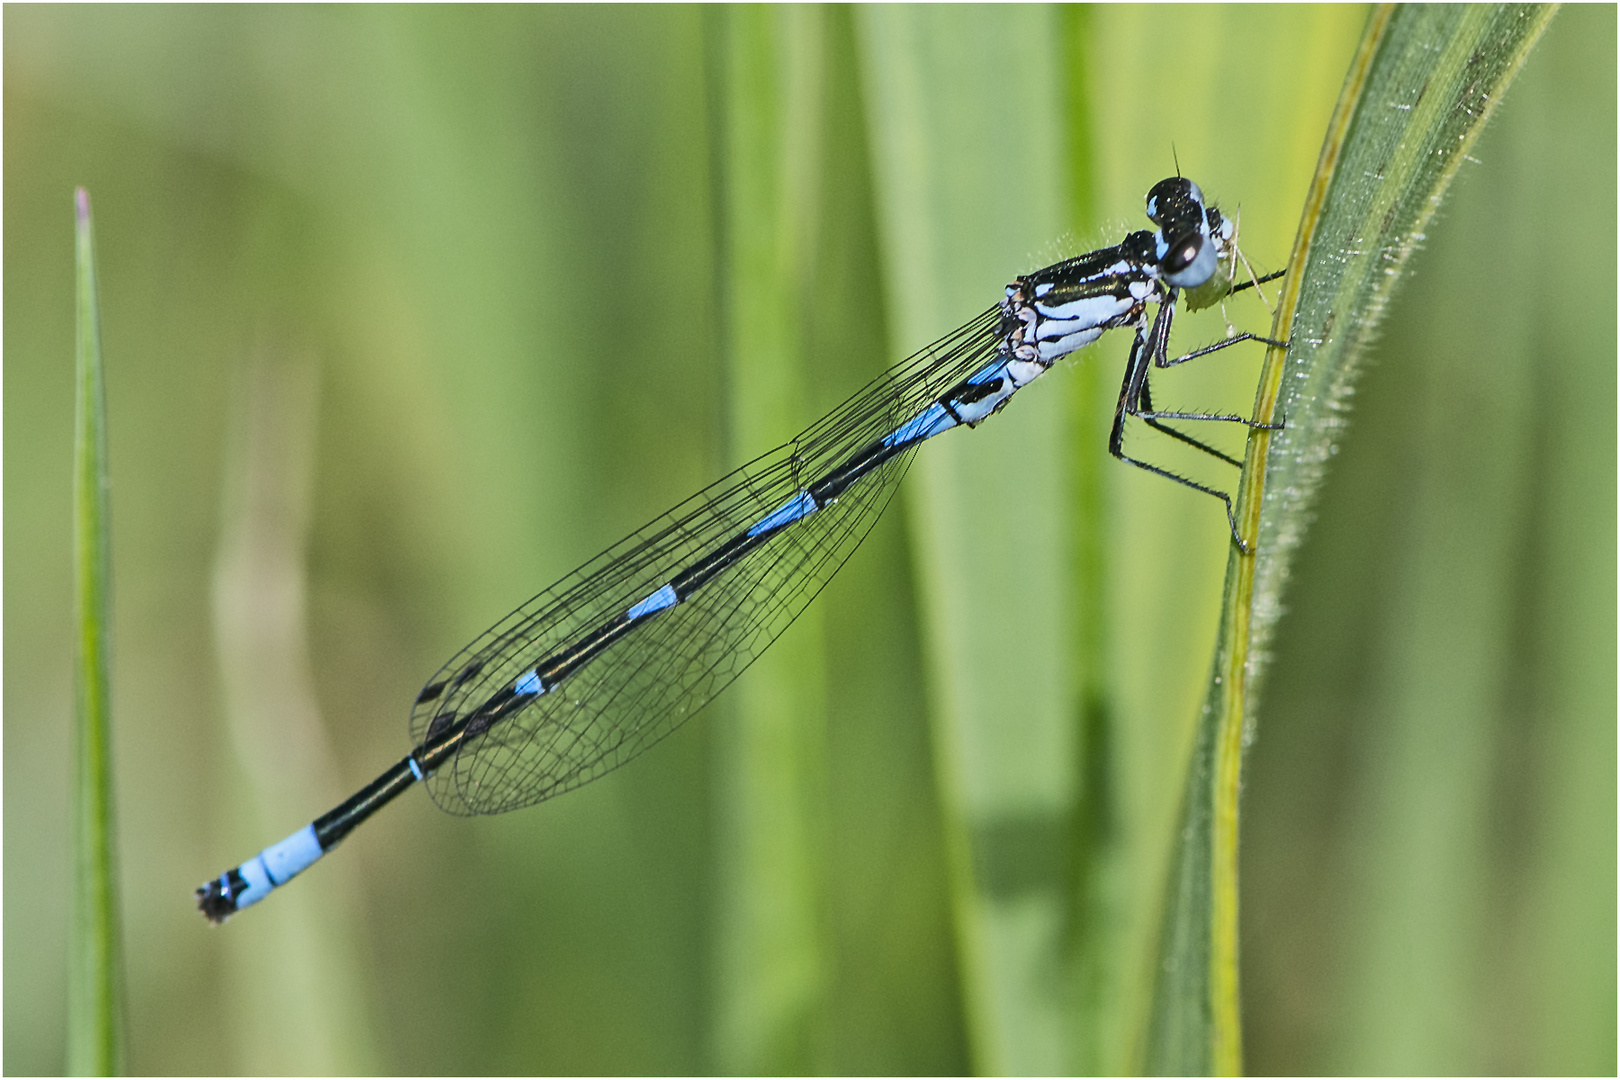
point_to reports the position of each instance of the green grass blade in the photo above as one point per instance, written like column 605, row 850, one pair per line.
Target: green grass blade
column 1244, row 116
column 771, row 891
column 963, row 207
column 1415, row 100
column 1429, row 830
column 301, row 949
column 1438, row 75
column 95, row 1005
column 1095, row 932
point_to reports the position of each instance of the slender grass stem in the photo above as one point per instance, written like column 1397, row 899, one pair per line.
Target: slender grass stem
column 95, row 1027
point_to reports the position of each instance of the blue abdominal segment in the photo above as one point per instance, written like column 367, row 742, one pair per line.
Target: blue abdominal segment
column 658, row 601
column 925, row 425
column 795, row 508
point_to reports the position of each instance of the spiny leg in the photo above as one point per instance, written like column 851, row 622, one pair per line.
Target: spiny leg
column 1161, row 359
column 1226, row 500
column 1140, row 403
column 1133, row 389
column 1144, row 410
column 1164, row 361
column 1130, row 388
column 1150, row 351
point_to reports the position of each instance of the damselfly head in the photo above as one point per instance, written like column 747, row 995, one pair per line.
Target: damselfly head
column 1184, row 246
column 1192, row 242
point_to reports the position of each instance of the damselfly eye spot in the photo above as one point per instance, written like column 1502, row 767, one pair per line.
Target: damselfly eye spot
column 1183, row 254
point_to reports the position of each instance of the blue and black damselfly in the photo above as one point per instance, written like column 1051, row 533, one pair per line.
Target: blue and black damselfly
column 619, row 653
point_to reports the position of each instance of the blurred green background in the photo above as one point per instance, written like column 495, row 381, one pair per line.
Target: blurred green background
column 407, row 311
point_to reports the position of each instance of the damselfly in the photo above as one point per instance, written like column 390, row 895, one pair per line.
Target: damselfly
column 619, row 653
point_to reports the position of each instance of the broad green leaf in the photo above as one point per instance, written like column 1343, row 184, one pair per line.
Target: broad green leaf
column 95, row 991
column 1416, row 97
column 1244, row 114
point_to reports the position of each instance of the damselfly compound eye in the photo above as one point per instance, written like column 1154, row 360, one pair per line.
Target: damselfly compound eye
column 1175, row 197
column 1190, row 262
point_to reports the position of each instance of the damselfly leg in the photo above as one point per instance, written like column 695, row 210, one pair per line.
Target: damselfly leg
column 1152, row 350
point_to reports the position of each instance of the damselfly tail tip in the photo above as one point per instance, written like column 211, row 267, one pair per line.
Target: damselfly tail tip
column 213, row 902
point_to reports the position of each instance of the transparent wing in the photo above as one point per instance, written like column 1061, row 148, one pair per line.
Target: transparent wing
column 669, row 666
